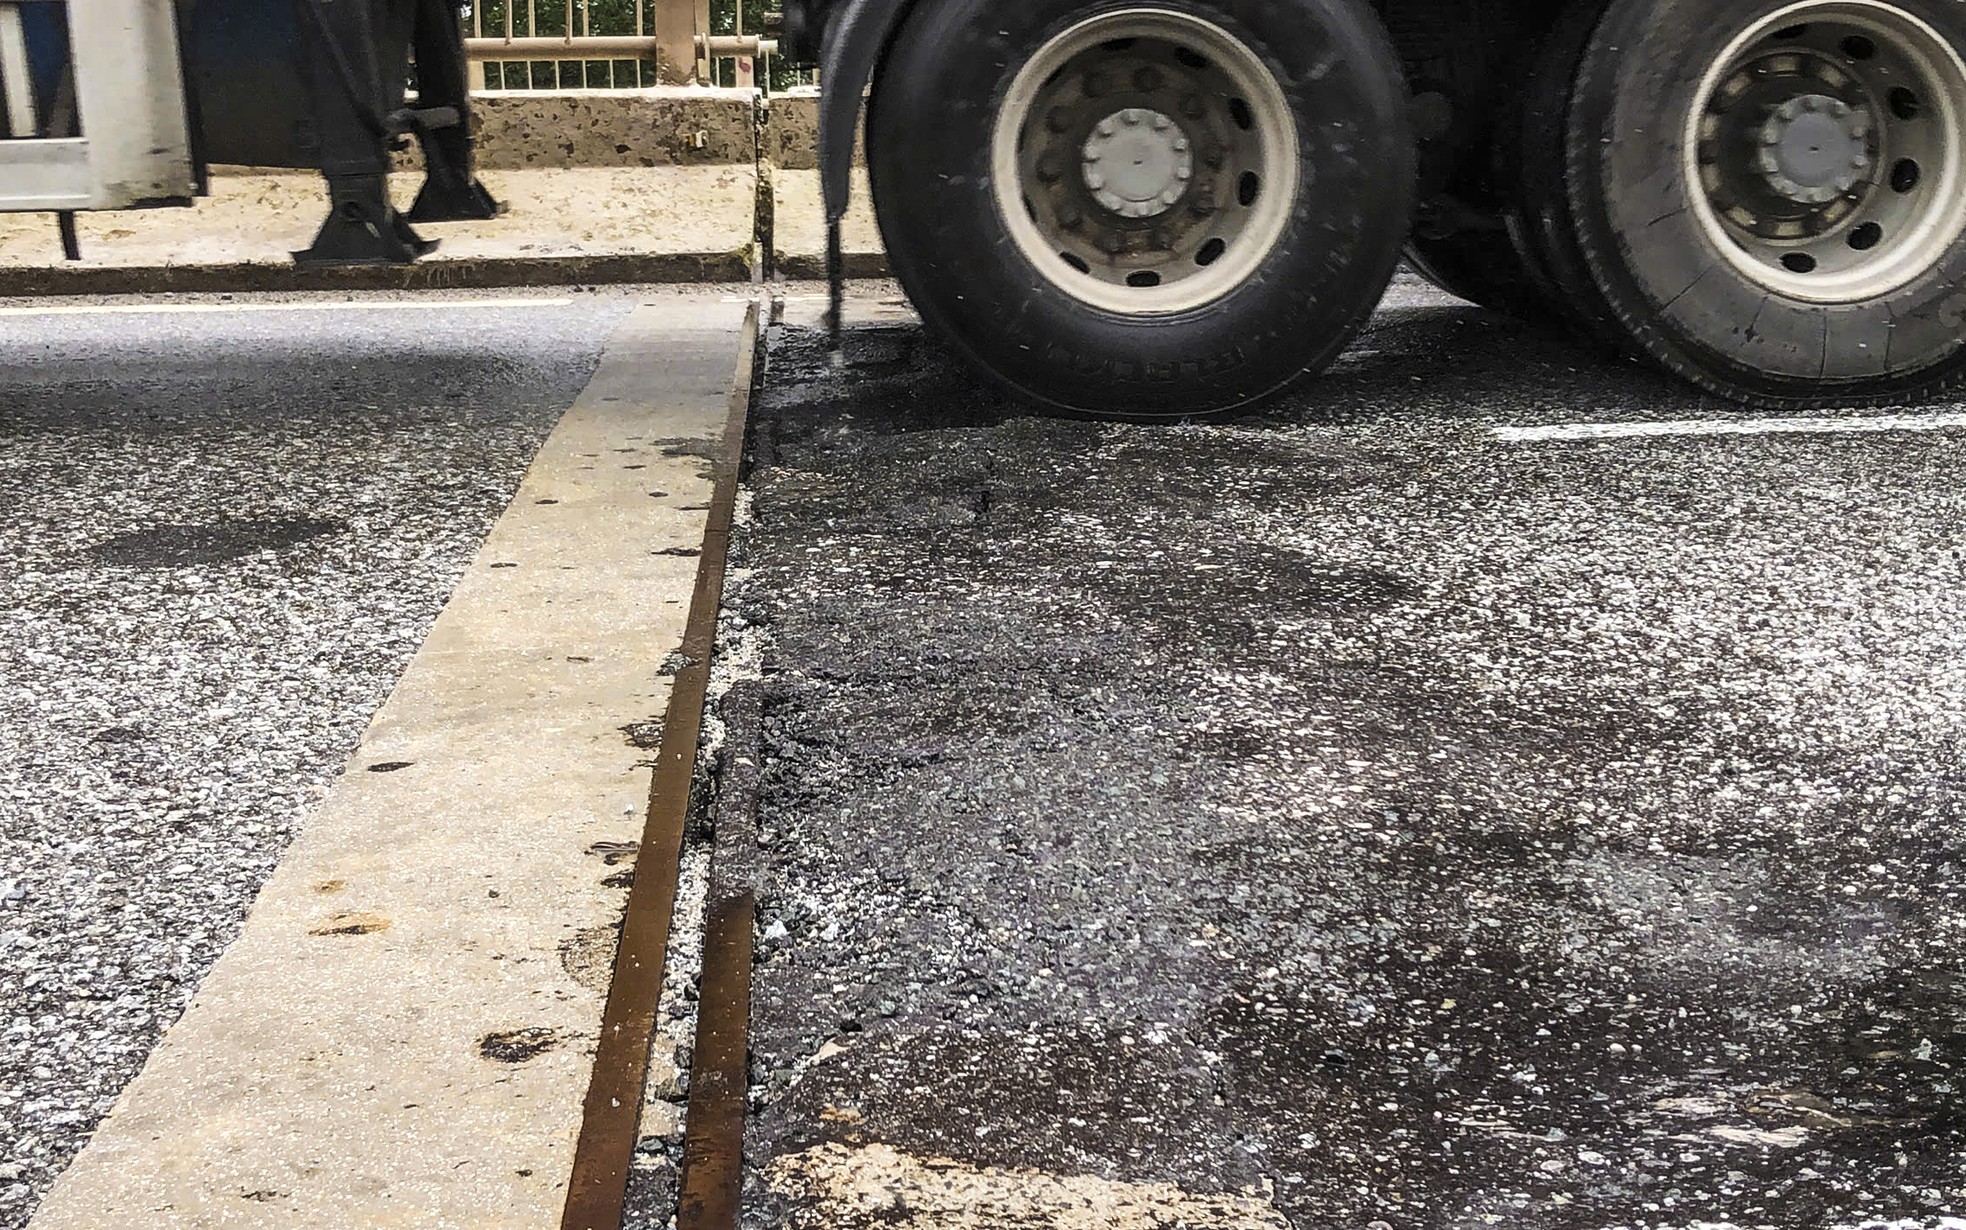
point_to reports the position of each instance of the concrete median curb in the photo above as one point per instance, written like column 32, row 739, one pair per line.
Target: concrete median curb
column 472, row 273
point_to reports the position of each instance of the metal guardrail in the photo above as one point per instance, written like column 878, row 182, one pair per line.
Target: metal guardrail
column 611, row 44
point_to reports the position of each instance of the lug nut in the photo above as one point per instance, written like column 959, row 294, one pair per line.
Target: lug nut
column 1193, row 107
column 1098, row 84
column 1111, row 243
column 1147, row 79
column 1070, row 218
column 1058, row 119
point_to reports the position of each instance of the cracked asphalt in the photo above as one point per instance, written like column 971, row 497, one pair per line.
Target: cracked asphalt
column 1344, row 817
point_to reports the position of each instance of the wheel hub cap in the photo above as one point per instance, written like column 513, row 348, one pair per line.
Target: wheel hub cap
column 1137, row 162
column 1814, row 148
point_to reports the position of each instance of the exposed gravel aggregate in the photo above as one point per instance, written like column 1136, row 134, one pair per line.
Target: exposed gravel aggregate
column 1342, row 804
column 224, row 537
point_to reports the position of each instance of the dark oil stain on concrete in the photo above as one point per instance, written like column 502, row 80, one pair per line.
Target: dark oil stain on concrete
column 352, row 924
column 390, row 766
column 588, row 957
column 213, row 542
column 644, row 735
column 517, row 1045
column 612, row 852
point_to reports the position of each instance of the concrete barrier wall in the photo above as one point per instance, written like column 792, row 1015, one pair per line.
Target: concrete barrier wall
column 519, row 130
column 522, row 129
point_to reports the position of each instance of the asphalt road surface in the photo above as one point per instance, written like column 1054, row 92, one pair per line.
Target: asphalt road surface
column 224, row 534
column 1362, row 815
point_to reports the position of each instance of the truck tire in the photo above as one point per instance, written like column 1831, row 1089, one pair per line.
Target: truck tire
column 1532, row 152
column 1482, row 267
column 1771, row 194
column 1264, row 185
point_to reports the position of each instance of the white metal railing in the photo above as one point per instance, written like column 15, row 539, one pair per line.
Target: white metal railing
column 611, row 44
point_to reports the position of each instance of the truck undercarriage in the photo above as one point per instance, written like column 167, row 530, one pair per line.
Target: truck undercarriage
column 1146, row 208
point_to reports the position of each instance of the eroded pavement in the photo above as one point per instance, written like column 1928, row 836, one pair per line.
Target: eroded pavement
column 1344, row 818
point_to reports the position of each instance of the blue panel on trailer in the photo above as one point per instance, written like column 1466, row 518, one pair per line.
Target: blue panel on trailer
column 248, row 83
column 46, row 28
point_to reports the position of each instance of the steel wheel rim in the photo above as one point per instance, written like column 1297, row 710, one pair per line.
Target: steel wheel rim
column 1145, row 162
column 1823, row 151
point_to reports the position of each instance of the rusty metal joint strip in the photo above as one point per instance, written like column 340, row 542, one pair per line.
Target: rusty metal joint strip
column 611, row 1119
column 712, row 1188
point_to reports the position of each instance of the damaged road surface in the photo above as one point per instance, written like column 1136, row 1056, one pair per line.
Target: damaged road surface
column 1353, row 816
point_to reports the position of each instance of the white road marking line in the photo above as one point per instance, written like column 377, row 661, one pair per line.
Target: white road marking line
column 339, row 305
column 1730, row 427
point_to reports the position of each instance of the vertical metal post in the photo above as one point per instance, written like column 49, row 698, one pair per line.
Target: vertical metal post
column 129, row 89
column 480, row 73
column 700, row 24
column 641, row 31
column 745, row 68
column 677, row 23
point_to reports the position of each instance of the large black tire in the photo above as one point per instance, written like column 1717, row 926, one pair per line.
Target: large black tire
column 1650, row 242
column 1522, row 259
column 1481, row 266
column 1532, row 160
column 950, row 246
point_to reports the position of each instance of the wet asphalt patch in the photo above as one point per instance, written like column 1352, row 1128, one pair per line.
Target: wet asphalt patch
column 1344, row 806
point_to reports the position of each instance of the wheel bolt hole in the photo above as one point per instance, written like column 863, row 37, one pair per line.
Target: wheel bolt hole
column 1075, row 261
column 1192, row 59
column 1210, row 252
column 1143, row 278
column 1866, row 237
column 1789, row 33
column 1904, row 103
column 1239, row 112
column 1857, row 47
column 1799, row 262
column 1905, row 175
column 1247, row 187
